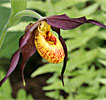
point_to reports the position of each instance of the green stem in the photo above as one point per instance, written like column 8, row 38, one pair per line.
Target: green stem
column 3, row 34
column 13, row 20
column 27, row 13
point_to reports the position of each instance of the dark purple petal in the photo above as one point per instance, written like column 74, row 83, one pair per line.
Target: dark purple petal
column 27, row 45
column 97, row 23
column 13, row 64
column 65, row 59
column 29, row 29
column 27, row 51
column 65, row 50
column 66, row 23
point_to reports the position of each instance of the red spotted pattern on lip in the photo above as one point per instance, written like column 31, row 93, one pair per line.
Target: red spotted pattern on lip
column 48, row 45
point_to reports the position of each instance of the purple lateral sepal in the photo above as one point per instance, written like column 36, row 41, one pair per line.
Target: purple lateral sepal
column 13, row 64
column 26, row 47
column 66, row 23
column 65, row 51
column 27, row 51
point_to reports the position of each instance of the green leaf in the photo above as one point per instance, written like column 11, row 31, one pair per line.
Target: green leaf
column 63, row 4
column 79, row 58
column 38, row 5
column 72, row 84
column 54, row 94
column 102, row 80
column 104, row 15
column 102, row 35
column 5, row 90
column 83, row 38
column 21, row 94
column 47, row 68
column 102, row 4
column 18, row 5
column 6, row 5
column 29, row 97
column 4, row 14
column 89, row 10
column 102, row 62
column 10, row 44
column 103, row 50
column 102, row 53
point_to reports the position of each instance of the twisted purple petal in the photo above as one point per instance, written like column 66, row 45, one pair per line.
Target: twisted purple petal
column 26, row 44
column 13, row 64
column 65, row 50
column 27, row 51
column 96, row 23
column 65, row 58
column 66, row 23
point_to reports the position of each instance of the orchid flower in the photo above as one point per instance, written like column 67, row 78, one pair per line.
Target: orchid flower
column 39, row 37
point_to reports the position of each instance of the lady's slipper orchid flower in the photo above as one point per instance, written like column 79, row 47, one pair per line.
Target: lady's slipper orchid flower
column 38, row 37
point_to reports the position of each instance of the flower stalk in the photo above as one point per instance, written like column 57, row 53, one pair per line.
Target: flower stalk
column 3, row 34
column 15, row 19
column 27, row 13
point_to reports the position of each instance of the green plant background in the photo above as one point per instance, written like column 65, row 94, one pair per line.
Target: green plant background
column 85, row 75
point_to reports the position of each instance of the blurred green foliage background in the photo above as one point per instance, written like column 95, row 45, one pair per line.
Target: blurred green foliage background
column 85, row 75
